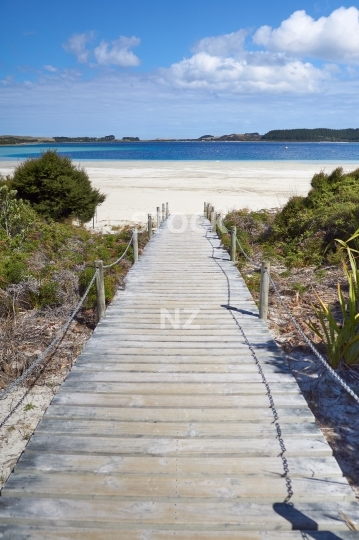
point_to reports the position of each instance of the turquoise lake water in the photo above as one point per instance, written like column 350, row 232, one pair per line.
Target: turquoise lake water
column 173, row 151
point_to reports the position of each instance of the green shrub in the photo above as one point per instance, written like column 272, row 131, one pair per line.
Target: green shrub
column 16, row 216
column 13, row 270
column 47, row 295
column 55, row 188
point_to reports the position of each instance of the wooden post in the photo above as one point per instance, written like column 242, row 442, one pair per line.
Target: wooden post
column 135, row 244
column 163, row 211
column 220, row 224
column 233, row 243
column 100, row 291
column 149, row 226
column 213, row 221
column 264, row 290
column 167, row 212
column 205, row 209
column 158, row 217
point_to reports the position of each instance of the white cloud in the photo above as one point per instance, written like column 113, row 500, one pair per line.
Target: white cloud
column 50, row 68
column 254, row 72
column 334, row 38
column 118, row 53
column 77, row 45
column 225, row 45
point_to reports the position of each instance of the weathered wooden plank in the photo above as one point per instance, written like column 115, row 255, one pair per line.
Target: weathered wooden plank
column 165, row 351
column 201, row 516
column 125, row 376
column 175, row 429
column 310, row 467
column 33, row 532
column 313, row 446
column 183, row 414
column 241, row 357
column 254, row 489
column 180, row 388
column 163, row 367
column 173, row 401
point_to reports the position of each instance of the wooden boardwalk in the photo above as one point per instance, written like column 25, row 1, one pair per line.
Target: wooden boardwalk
column 164, row 427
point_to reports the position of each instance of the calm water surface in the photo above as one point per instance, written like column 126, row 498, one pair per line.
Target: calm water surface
column 219, row 151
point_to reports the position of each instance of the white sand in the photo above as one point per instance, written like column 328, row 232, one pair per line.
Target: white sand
column 136, row 188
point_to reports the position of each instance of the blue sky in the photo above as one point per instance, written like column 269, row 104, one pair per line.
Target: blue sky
column 177, row 68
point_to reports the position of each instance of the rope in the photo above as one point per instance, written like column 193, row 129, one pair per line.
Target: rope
column 246, row 256
column 62, row 331
column 122, row 256
column 52, row 344
column 310, row 344
column 223, row 228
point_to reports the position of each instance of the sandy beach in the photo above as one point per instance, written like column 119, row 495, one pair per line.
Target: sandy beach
column 136, row 188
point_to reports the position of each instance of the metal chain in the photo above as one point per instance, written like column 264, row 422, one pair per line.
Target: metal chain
column 122, row 256
column 310, row 344
column 52, row 344
column 267, row 387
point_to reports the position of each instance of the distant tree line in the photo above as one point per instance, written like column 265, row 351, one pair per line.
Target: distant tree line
column 319, row 134
column 85, row 139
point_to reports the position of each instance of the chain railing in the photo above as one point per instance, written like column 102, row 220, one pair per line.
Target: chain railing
column 266, row 281
column 98, row 277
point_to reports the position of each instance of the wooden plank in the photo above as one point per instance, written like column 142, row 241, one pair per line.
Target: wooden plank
column 165, row 351
column 173, row 401
column 244, row 356
column 180, row 388
column 33, row 532
column 313, row 446
column 125, row 376
column 253, row 489
column 175, row 429
column 201, row 516
column 183, row 414
column 312, row 467
column 163, row 367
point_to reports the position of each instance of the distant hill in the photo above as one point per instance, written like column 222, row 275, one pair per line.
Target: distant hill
column 15, row 139
column 318, row 134
column 232, row 137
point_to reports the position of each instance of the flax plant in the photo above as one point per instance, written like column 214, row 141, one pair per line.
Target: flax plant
column 341, row 340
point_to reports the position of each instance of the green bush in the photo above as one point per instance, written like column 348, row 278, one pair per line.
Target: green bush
column 16, row 216
column 303, row 232
column 311, row 224
column 55, row 188
column 13, row 269
column 47, row 295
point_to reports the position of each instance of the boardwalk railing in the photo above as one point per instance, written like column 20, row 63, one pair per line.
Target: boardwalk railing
column 265, row 282
column 98, row 278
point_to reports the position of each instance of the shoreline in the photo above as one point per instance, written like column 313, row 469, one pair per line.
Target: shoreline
column 134, row 188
